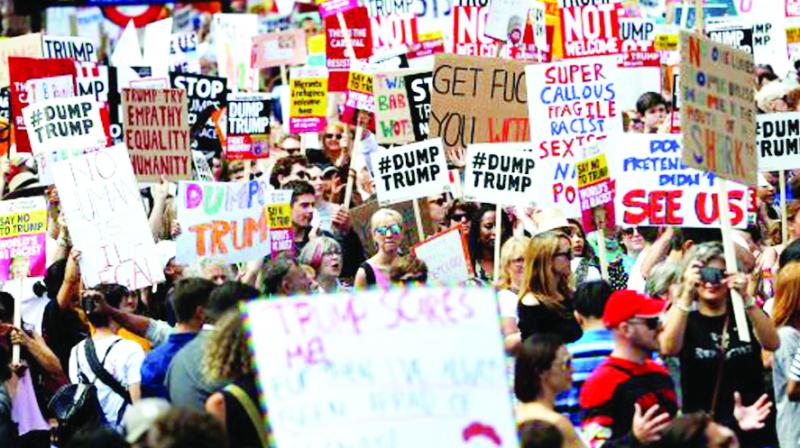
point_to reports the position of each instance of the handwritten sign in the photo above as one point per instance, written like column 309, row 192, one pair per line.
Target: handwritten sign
column 501, row 174
column 451, row 393
column 23, row 230
column 410, row 172
column 465, row 88
column 575, row 104
column 596, row 193
column 248, row 118
column 392, row 113
column 446, row 255
column 107, row 223
column 591, row 30
column 717, row 109
column 224, row 220
column 68, row 47
column 778, row 136
column 157, row 133
column 280, row 48
column 308, row 105
column 655, row 188
column 64, row 123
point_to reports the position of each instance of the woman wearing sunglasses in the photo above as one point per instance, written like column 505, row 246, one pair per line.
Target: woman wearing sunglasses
column 717, row 368
column 543, row 370
column 334, row 151
column 386, row 226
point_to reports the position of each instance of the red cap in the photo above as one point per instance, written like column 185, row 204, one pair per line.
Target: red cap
column 627, row 304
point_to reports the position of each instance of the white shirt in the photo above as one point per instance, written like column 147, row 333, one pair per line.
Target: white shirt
column 124, row 362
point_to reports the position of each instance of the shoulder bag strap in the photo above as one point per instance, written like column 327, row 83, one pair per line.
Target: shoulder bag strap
column 101, row 373
column 252, row 412
column 722, row 348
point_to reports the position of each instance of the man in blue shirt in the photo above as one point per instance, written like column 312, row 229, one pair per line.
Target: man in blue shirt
column 592, row 348
column 189, row 302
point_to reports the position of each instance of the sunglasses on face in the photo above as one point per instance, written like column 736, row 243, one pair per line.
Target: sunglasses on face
column 458, row 217
column 630, row 231
column 651, row 323
column 439, row 201
column 392, row 229
column 336, row 136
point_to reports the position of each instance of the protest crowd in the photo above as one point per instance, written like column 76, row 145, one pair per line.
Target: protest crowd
column 478, row 223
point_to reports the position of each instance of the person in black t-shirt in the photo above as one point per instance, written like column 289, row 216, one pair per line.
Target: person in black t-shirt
column 701, row 337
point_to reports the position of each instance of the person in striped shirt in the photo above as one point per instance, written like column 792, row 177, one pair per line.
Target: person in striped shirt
column 592, row 348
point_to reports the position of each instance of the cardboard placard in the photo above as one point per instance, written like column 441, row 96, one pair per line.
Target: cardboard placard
column 222, row 220
column 653, row 187
column 308, row 107
column 73, row 123
column 450, row 393
column 360, row 217
column 464, row 88
column 718, row 124
column 26, row 45
column 503, row 174
column 248, row 118
column 446, row 255
column 410, row 172
column 591, row 30
column 204, row 95
column 101, row 202
column 23, row 231
column 778, row 136
column 392, row 114
column 68, row 47
column 281, row 48
column 157, row 133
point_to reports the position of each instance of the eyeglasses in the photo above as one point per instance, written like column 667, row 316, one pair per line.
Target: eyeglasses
column 332, row 252
column 458, row 217
column 652, row 323
column 630, row 231
column 392, row 229
column 567, row 254
column 336, row 136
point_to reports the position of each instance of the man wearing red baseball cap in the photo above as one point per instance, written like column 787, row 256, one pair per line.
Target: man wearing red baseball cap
column 629, row 399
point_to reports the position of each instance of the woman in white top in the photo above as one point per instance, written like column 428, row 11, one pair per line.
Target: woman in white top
column 509, row 284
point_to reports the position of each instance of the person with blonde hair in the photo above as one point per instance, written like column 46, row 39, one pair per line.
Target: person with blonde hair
column 386, row 226
column 509, row 284
column 546, row 303
column 324, row 254
column 334, row 150
column 786, row 360
column 226, row 360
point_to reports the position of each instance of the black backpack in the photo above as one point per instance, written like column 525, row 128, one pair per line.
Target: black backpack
column 76, row 405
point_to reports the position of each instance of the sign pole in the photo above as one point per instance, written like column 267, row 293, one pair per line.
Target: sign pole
column 602, row 252
column 356, row 146
column 15, row 349
column 418, row 218
column 730, row 260
column 784, row 205
column 498, row 222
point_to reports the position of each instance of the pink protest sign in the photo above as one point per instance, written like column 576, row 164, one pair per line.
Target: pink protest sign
column 23, row 223
column 333, row 7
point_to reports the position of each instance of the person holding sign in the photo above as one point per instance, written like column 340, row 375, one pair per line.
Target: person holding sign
column 386, row 226
column 718, row 371
column 546, row 305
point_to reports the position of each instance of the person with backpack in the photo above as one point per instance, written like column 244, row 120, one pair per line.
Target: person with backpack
column 106, row 361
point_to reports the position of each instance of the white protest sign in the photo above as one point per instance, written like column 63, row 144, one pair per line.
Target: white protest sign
column 64, row 123
column 506, row 19
column 501, row 173
column 655, row 188
column 410, row 172
column 106, row 219
column 446, row 256
column 778, row 141
column 41, row 89
column 397, row 389
column 201, row 169
column 222, row 220
column 80, row 49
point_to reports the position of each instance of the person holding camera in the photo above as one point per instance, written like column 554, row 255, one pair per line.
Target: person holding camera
column 719, row 372
column 111, row 363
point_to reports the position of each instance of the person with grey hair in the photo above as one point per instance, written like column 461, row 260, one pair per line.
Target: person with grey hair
column 212, row 269
column 664, row 280
column 284, row 277
column 324, row 254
